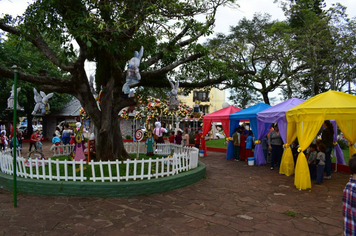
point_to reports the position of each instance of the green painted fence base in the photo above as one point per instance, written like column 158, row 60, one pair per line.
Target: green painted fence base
column 104, row 189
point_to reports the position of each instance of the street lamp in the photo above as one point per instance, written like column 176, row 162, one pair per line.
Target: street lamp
column 15, row 68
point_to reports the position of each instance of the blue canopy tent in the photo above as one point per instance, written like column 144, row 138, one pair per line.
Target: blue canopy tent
column 250, row 114
column 275, row 114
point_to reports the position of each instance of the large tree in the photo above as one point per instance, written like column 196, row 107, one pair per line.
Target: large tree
column 108, row 32
column 258, row 46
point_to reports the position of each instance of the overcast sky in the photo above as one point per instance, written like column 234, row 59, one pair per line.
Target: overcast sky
column 225, row 16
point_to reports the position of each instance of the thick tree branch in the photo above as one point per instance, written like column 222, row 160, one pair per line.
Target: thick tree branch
column 39, row 42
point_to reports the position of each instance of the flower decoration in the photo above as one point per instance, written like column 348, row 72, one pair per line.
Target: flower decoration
column 83, row 114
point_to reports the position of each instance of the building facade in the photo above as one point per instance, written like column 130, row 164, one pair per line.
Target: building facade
column 209, row 100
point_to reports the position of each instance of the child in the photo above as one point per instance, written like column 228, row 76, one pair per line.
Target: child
column 320, row 163
column 171, row 137
column 178, row 138
column 312, row 161
column 349, row 199
column 33, row 140
column 39, row 139
column 56, row 142
column 249, row 145
column 186, row 138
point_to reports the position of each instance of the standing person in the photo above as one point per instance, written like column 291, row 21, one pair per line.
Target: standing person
column 19, row 138
column 236, row 142
column 242, row 144
column 186, row 138
column 66, row 134
column 178, row 138
column 39, row 141
column 171, row 137
column 264, row 144
column 33, row 140
column 349, row 200
column 312, row 161
column 275, row 145
column 197, row 139
column 249, row 144
column 320, row 160
column 12, row 134
column 2, row 141
column 327, row 137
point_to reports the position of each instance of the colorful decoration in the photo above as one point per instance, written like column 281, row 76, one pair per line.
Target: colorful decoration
column 133, row 76
column 83, row 114
column 42, row 106
column 196, row 109
column 150, row 142
column 35, row 155
column 79, row 146
column 10, row 100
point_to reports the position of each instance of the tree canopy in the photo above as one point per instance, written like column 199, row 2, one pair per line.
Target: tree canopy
column 108, row 33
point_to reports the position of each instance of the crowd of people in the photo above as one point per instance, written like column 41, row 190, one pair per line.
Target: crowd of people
column 8, row 142
column 243, row 141
column 318, row 154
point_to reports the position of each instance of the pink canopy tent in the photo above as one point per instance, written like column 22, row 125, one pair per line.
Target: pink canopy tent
column 222, row 116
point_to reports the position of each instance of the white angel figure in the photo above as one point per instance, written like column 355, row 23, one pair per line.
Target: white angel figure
column 42, row 106
column 10, row 100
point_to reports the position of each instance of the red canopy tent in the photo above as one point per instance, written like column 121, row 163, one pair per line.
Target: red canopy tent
column 222, row 116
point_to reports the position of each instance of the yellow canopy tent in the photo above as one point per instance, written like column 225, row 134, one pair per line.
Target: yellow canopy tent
column 307, row 118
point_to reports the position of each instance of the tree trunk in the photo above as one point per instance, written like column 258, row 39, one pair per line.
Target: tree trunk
column 109, row 143
column 265, row 97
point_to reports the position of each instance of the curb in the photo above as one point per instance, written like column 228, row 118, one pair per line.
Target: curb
column 104, row 189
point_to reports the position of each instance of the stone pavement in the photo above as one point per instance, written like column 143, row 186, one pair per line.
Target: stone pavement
column 234, row 199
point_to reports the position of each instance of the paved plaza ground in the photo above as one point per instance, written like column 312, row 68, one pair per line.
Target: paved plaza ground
column 234, row 199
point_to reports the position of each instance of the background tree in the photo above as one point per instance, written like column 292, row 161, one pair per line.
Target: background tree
column 23, row 54
column 108, row 33
column 253, row 57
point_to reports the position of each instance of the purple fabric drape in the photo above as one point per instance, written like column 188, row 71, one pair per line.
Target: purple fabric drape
column 263, row 129
column 337, row 149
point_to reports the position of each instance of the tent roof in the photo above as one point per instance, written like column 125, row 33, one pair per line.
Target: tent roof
column 330, row 105
column 275, row 113
column 250, row 112
column 221, row 114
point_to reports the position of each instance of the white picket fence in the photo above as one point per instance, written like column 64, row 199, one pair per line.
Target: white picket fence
column 62, row 150
column 184, row 159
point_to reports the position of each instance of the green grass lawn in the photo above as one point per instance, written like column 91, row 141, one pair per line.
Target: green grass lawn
column 218, row 143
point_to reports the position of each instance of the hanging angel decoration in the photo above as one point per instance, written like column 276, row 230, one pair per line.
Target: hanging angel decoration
column 133, row 76
column 173, row 100
column 42, row 106
column 10, row 100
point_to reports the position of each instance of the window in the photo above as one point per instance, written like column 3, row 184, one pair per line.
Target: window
column 202, row 96
column 204, row 109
